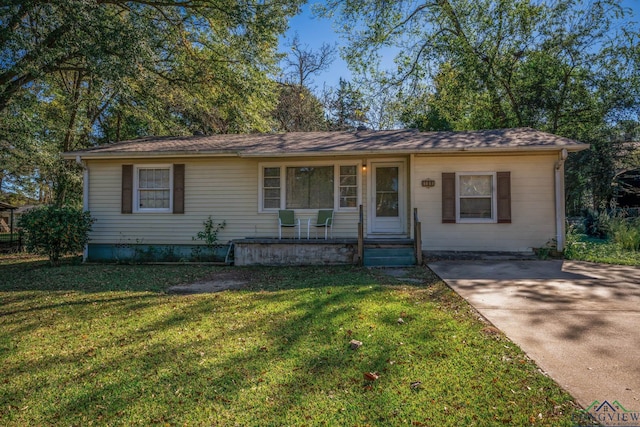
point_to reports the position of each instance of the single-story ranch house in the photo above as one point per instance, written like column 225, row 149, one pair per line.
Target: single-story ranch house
column 492, row 190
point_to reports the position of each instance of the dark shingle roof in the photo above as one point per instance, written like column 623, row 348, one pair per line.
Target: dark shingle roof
column 6, row 206
column 335, row 143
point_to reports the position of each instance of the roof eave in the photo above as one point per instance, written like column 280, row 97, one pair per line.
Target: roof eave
column 428, row 151
column 424, row 151
column 73, row 155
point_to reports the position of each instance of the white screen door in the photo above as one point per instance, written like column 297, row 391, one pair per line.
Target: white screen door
column 387, row 198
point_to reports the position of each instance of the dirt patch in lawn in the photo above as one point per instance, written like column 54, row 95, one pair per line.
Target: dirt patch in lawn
column 215, row 283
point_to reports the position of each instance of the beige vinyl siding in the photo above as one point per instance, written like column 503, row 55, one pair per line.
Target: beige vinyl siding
column 532, row 203
column 225, row 188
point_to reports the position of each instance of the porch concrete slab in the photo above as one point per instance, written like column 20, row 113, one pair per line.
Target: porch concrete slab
column 579, row 321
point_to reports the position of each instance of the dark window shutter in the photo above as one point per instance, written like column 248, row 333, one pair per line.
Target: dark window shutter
column 448, row 197
column 178, row 189
column 504, row 197
column 127, row 189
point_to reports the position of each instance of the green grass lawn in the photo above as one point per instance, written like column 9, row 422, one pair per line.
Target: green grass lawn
column 105, row 345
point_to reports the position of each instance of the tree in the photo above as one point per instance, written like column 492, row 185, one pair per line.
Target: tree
column 77, row 73
column 303, row 62
column 298, row 109
column 345, row 107
column 120, row 38
column 568, row 67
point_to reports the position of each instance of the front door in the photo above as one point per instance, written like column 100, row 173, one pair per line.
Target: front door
column 387, row 198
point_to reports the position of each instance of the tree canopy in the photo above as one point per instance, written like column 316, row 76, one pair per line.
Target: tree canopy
column 569, row 67
column 75, row 73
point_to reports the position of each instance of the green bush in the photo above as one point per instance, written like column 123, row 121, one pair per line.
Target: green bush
column 55, row 231
column 596, row 223
column 625, row 232
column 574, row 244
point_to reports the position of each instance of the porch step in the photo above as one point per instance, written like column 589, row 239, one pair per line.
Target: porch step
column 389, row 256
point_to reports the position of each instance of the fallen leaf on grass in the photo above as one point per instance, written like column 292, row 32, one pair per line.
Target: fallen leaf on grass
column 355, row 344
column 371, row 376
column 490, row 330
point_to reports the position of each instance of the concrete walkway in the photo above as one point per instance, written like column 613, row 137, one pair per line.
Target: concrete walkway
column 579, row 321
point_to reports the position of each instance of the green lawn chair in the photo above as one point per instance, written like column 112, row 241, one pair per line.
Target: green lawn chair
column 287, row 218
column 325, row 219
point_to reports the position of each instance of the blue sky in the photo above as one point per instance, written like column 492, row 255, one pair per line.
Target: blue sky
column 313, row 32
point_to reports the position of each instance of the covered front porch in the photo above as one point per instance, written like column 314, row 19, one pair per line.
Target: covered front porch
column 396, row 251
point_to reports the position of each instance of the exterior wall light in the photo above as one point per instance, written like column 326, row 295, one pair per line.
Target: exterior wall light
column 428, row 183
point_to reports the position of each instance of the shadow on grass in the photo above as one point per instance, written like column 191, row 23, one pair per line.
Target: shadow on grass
column 90, row 278
column 180, row 360
column 275, row 352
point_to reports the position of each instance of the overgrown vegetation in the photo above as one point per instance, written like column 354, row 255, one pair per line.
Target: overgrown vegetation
column 105, row 344
column 55, row 231
column 605, row 236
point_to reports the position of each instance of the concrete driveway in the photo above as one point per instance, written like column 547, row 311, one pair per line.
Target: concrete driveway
column 579, row 321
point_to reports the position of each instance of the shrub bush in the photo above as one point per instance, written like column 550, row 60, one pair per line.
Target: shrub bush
column 56, row 231
column 625, row 232
column 596, row 223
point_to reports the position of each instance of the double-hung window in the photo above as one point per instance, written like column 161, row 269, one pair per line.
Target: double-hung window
column 476, row 197
column 271, row 188
column 348, row 186
column 152, row 188
column 309, row 186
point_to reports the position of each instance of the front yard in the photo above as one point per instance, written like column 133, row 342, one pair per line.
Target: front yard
column 105, row 345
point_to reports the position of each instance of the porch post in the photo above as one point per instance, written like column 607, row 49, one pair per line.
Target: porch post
column 11, row 229
column 361, row 237
column 417, row 236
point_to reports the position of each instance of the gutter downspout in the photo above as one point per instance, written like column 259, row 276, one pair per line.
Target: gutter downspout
column 560, row 201
column 85, row 198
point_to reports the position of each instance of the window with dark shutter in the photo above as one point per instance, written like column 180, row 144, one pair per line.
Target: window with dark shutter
column 504, row 197
column 472, row 194
column 153, row 188
column 448, row 197
column 127, row 189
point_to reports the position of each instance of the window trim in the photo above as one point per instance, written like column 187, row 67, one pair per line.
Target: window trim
column 494, row 200
column 315, row 163
column 136, row 188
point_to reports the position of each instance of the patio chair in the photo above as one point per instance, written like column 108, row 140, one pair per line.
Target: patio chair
column 325, row 219
column 286, row 218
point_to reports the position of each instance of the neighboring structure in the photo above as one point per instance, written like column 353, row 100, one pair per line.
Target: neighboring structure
column 9, row 239
column 627, row 180
column 7, row 217
column 498, row 190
